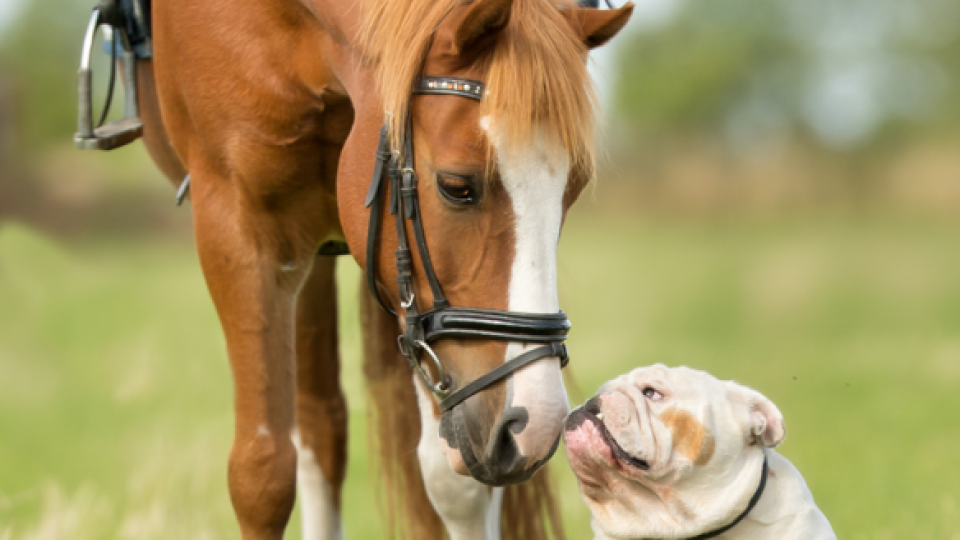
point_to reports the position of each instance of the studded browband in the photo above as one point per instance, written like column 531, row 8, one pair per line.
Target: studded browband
column 443, row 321
column 450, row 86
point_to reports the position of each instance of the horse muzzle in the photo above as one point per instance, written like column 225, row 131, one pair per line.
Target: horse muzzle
column 506, row 452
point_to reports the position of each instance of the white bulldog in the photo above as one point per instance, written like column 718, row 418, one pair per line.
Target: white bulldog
column 674, row 453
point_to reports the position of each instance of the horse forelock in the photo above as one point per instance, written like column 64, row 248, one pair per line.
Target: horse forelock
column 535, row 72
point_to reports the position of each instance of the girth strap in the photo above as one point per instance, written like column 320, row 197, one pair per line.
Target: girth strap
column 553, row 349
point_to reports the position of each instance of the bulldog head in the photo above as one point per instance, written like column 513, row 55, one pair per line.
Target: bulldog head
column 669, row 452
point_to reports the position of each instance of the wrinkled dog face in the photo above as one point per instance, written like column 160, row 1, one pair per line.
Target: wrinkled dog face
column 662, row 450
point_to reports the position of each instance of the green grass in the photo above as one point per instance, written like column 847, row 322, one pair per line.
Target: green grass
column 115, row 396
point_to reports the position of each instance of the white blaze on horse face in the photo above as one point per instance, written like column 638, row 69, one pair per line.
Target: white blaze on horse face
column 320, row 518
column 535, row 177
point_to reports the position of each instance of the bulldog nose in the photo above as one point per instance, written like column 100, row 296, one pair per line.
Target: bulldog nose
column 580, row 415
column 592, row 405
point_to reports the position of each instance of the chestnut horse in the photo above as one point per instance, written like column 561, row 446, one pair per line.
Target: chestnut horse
column 273, row 107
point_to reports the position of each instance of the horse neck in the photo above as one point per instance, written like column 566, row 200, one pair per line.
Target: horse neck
column 340, row 50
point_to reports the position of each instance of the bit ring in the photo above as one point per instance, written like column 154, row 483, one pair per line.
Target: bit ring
column 440, row 388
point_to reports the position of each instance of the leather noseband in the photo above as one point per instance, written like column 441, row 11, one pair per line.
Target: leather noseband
column 443, row 321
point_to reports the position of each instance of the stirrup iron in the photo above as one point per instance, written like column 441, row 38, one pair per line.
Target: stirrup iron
column 120, row 132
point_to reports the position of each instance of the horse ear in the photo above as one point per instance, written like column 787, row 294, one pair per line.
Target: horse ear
column 766, row 421
column 483, row 19
column 595, row 26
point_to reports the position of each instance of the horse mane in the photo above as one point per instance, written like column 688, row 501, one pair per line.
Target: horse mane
column 530, row 508
column 535, row 72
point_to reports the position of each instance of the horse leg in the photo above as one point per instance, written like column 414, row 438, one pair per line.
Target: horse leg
column 469, row 510
column 321, row 436
column 255, row 258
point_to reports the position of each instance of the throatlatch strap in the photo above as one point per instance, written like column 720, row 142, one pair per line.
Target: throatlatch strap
column 373, row 231
column 383, row 156
column 553, row 349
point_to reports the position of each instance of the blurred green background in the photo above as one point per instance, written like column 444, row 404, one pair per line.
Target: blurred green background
column 778, row 205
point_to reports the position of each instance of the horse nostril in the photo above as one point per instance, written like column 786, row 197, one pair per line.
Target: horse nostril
column 514, row 420
column 503, row 449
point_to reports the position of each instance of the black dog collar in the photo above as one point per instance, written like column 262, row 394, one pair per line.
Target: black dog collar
column 750, row 506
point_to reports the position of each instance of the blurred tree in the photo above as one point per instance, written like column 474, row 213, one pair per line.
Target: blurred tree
column 50, row 184
column 845, row 73
column 39, row 53
column 7, row 168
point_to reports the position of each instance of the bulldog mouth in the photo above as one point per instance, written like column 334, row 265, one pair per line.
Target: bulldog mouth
column 586, row 413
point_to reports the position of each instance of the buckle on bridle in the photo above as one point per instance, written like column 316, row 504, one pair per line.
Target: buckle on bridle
column 440, row 388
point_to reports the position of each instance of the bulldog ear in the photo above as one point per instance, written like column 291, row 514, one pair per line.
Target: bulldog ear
column 596, row 27
column 482, row 19
column 766, row 421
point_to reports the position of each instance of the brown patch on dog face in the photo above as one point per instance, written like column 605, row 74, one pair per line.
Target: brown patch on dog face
column 690, row 438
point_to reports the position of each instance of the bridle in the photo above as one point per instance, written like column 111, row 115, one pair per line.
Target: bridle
column 444, row 321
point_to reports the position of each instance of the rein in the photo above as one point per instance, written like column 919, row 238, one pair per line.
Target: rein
column 444, row 321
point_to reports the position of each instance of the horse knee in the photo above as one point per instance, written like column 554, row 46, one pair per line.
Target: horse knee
column 322, row 428
column 262, row 479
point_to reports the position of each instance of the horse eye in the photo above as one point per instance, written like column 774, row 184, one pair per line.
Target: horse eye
column 459, row 190
column 652, row 394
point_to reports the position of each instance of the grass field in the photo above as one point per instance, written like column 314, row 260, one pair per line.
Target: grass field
column 115, row 398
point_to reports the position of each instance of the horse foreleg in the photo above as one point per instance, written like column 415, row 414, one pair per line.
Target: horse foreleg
column 321, row 436
column 255, row 262
column 469, row 510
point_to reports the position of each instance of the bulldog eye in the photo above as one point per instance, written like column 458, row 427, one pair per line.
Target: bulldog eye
column 458, row 190
column 652, row 394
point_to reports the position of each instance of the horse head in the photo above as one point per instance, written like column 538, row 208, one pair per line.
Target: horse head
column 494, row 179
